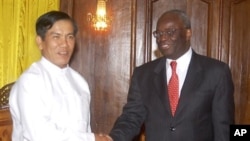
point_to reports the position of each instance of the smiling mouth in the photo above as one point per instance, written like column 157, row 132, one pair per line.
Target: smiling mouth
column 63, row 53
column 165, row 46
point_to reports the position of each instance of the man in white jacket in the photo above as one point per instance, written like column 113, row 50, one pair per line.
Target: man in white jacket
column 51, row 101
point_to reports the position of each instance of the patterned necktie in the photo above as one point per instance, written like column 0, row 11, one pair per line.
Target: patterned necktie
column 173, row 88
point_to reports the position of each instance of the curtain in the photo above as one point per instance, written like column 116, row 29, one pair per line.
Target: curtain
column 18, row 48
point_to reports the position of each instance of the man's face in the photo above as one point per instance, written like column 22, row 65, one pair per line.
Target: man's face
column 58, row 44
column 173, row 38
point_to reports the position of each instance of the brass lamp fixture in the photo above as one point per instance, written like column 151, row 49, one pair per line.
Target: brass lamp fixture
column 100, row 21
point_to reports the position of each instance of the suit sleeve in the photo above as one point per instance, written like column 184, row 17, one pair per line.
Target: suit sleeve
column 129, row 123
column 223, row 106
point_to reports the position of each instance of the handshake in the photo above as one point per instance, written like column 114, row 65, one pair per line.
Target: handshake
column 102, row 137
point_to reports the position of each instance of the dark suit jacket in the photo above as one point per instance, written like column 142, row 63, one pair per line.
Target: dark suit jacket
column 204, row 112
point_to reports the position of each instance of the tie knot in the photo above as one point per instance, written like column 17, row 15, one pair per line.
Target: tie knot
column 173, row 65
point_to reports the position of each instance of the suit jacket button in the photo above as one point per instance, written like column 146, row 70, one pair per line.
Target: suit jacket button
column 172, row 128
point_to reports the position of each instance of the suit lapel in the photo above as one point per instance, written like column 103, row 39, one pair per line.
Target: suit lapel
column 160, row 83
column 193, row 78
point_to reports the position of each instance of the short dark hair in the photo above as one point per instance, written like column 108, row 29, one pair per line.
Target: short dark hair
column 47, row 20
column 182, row 15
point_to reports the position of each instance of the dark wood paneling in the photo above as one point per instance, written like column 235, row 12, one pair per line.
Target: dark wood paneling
column 103, row 58
column 67, row 6
column 239, row 44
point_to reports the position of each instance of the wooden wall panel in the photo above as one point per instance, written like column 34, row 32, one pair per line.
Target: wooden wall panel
column 103, row 58
column 204, row 26
column 239, row 44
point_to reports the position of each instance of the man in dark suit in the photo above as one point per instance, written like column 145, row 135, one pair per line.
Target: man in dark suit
column 205, row 101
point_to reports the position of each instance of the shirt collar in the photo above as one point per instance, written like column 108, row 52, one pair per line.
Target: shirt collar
column 184, row 60
column 52, row 68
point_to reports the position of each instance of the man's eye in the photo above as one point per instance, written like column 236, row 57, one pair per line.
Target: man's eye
column 56, row 37
column 71, row 37
column 161, row 33
column 170, row 32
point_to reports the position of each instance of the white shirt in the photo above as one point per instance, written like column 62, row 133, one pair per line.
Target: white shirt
column 48, row 103
column 181, row 68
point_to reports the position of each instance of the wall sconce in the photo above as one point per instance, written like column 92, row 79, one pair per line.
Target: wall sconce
column 100, row 21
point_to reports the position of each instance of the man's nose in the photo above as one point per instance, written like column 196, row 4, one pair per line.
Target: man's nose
column 64, row 42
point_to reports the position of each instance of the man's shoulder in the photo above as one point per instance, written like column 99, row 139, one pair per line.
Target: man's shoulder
column 207, row 60
column 153, row 66
column 209, row 63
column 77, row 76
column 32, row 71
column 153, row 63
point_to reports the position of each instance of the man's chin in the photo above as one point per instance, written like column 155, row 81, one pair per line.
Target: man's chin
column 62, row 63
column 166, row 50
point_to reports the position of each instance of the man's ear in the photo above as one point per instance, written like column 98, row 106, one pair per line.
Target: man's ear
column 39, row 42
column 188, row 34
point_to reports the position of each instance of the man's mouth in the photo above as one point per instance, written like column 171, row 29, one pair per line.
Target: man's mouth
column 165, row 46
column 63, row 53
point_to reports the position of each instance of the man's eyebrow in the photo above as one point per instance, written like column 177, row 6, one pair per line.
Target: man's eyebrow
column 71, row 33
column 55, row 33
